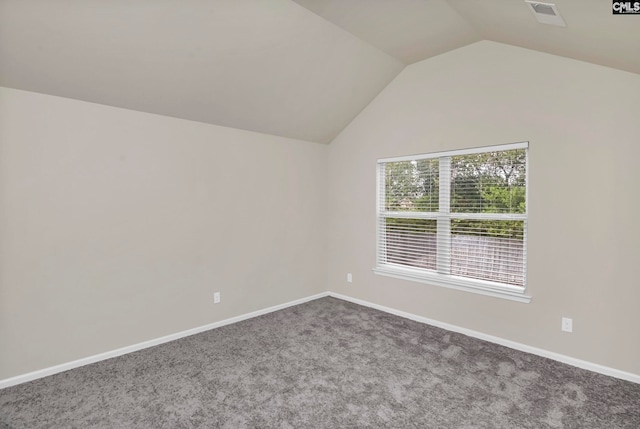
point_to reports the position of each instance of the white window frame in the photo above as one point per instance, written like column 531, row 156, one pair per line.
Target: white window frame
column 441, row 277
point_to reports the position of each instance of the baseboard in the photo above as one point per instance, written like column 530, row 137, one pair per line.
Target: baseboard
column 146, row 344
column 493, row 339
column 635, row 378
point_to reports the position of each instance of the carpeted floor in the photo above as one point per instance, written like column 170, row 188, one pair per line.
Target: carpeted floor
column 324, row 364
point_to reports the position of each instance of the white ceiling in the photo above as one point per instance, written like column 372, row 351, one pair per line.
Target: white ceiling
column 409, row 30
column 413, row 30
column 302, row 69
column 593, row 34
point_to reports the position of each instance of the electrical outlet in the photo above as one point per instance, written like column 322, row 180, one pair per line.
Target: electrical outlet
column 567, row 324
column 349, row 278
column 216, row 298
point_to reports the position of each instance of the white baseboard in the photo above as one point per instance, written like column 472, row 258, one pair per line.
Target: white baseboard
column 146, row 344
column 497, row 340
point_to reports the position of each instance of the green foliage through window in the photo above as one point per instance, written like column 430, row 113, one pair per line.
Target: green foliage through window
column 490, row 182
column 412, row 185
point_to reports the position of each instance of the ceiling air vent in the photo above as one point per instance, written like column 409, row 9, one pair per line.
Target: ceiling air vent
column 546, row 13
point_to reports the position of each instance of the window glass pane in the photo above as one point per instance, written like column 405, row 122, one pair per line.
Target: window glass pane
column 411, row 242
column 490, row 182
column 412, row 185
column 488, row 250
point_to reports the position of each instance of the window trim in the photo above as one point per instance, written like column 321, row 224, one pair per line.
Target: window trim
column 483, row 287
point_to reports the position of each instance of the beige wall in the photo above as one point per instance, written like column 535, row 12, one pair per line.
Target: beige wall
column 117, row 226
column 583, row 125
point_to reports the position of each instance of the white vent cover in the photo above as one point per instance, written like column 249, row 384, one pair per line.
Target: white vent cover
column 546, row 13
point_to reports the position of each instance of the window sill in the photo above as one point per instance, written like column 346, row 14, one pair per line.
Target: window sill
column 453, row 282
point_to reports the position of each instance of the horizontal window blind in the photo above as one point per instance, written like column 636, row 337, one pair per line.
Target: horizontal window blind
column 459, row 214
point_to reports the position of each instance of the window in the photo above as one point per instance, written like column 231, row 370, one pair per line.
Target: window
column 456, row 219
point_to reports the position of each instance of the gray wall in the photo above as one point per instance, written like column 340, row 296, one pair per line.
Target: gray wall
column 117, row 226
column 582, row 122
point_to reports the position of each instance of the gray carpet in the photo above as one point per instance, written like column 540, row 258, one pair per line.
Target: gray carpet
column 324, row 364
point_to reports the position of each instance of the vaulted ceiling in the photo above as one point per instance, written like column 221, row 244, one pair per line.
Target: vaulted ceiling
column 302, row 69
